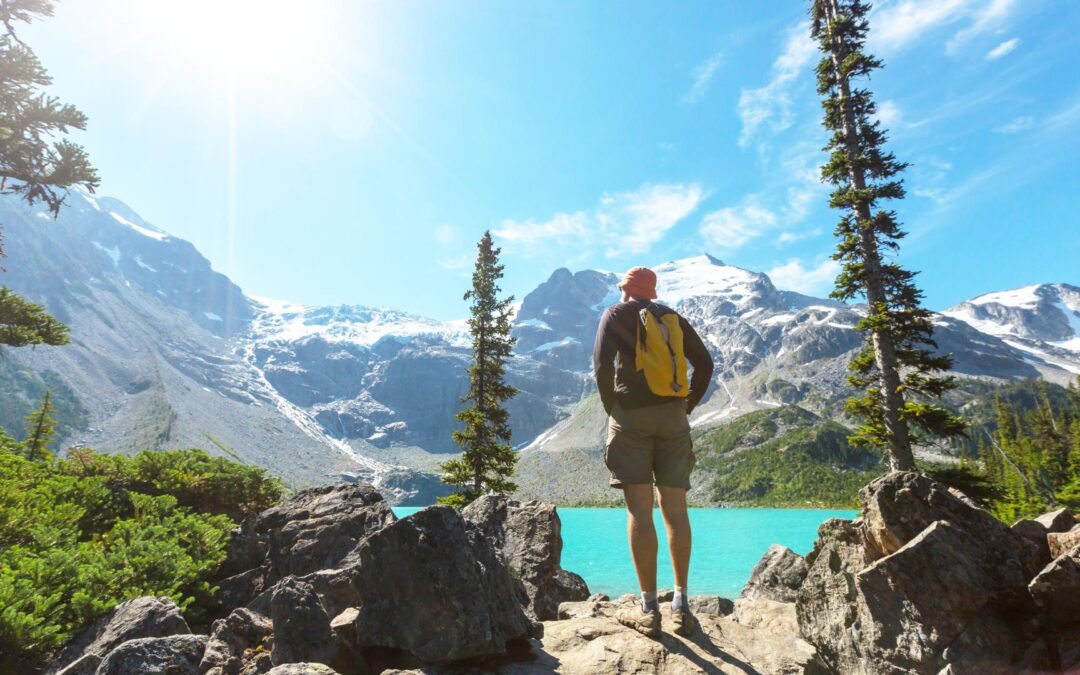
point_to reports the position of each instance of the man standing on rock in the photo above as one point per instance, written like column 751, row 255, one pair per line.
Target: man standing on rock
column 641, row 372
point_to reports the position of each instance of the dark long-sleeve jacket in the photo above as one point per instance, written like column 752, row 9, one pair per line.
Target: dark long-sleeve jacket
column 613, row 360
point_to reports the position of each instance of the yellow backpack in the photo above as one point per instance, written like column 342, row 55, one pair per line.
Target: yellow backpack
column 659, row 352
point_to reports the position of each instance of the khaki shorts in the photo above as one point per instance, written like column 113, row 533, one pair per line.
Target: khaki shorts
column 650, row 444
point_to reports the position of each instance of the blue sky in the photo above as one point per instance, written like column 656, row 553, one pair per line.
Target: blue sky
column 355, row 153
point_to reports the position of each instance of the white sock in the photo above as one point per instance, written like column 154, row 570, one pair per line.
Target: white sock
column 678, row 602
column 648, row 601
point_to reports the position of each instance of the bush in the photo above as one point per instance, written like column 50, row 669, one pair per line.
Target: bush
column 82, row 534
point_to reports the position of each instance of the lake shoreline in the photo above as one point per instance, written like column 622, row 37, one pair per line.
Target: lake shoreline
column 728, row 542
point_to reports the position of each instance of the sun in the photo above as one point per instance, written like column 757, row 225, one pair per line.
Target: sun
column 249, row 41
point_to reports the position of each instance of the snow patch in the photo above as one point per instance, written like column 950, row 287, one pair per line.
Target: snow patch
column 140, row 263
column 547, row 346
column 212, row 316
column 113, row 253
column 1024, row 296
column 534, row 323
column 281, row 321
column 146, row 232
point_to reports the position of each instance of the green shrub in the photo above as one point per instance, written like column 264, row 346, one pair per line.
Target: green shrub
column 81, row 534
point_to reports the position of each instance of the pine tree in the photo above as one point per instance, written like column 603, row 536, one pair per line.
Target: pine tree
column 40, row 429
column 896, row 370
column 36, row 162
column 487, row 462
column 24, row 323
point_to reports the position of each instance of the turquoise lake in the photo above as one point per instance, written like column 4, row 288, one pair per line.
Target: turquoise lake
column 727, row 544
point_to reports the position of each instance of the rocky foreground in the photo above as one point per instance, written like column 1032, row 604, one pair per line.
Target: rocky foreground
column 331, row 582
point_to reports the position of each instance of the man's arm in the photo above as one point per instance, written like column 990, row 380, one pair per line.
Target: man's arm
column 604, row 361
column 699, row 357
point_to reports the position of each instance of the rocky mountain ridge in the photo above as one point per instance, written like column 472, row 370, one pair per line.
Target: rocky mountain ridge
column 167, row 352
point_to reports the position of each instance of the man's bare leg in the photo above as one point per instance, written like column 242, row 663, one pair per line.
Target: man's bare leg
column 641, row 533
column 677, row 523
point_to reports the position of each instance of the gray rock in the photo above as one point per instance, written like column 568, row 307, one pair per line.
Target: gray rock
column 318, row 528
column 1061, row 520
column 302, row 669
column 921, row 583
column 1060, row 542
column 599, row 645
column 1056, row 590
column 1037, row 530
column 230, row 640
column 435, row 566
column 777, row 576
column 301, row 627
column 529, row 537
column 314, row 530
column 84, row 665
column 145, row 617
column 173, row 655
column 711, row 604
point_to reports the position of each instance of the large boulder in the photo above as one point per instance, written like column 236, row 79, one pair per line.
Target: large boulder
column 924, row 581
column 231, row 639
column 145, row 617
column 301, row 627
column 1056, row 590
column 173, row 655
column 1060, row 542
column 1037, row 530
column 777, row 576
column 433, row 586
column 314, row 530
column 529, row 537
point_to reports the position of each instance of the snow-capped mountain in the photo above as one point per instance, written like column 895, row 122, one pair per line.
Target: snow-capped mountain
column 166, row 352
column 1042, row 320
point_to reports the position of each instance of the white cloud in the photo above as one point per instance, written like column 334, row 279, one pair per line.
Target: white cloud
column 1066, row 116
column 816, row 280
column 792, row 237
column 889, row 114
column 444, row 234
column 897, row 25
column 768, row 109
column 460, row 262
column 755, row 215
column 703, row 75
column 900, row 24
column 1016, row 125
column 989, row 17
column 626, row 222
column 731, row 228
column 1002, row 49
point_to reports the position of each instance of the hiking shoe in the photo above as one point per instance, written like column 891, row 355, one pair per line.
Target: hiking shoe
column 684, row 622
column 634, row 616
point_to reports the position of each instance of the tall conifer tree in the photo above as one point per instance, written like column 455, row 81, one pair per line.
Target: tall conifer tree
column 40, row 429
column 36, row 162
column 488, row 460
column 896, row 372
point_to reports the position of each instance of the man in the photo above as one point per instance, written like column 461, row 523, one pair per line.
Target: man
column 648, row 439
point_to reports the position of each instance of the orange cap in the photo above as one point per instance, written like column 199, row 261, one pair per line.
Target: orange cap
column 640, row 282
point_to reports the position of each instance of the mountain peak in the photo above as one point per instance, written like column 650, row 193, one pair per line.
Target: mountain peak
column 706, row 275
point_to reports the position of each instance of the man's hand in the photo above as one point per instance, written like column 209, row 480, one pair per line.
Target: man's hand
column 689, row 406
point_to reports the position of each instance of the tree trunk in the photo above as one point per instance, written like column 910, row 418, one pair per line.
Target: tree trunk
column 900, row 456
